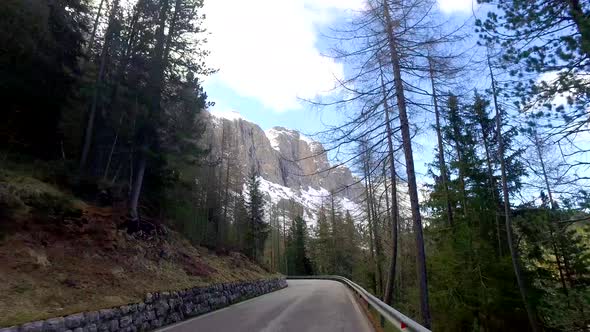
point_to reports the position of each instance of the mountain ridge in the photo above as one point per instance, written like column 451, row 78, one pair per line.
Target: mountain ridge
column 291, row 166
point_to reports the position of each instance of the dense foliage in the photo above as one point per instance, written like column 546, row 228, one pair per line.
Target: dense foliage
column 109, row 96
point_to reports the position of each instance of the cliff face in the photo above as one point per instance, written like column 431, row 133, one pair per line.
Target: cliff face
column 291, row 165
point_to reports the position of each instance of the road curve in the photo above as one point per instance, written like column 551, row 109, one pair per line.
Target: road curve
column 306, row 305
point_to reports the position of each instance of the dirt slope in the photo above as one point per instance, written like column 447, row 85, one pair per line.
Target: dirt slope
column 57, row 266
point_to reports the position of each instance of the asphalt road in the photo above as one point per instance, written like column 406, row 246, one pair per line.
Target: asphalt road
column 306, row 305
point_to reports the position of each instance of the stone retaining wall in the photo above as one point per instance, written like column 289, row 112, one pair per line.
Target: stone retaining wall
column 158, row 309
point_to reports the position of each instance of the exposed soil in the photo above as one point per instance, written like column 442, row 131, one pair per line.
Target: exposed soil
column 57, row 267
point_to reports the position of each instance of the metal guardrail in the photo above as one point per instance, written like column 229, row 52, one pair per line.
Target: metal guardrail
column 388, row 318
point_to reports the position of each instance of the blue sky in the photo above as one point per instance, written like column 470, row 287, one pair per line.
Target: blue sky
column 270, row 56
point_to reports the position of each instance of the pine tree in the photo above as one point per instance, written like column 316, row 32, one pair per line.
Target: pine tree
column 349, row 246
column 257, row 227
column 466, row 259
column 41, row 43
column 322, row 244
column 300, row 262
column 545, row 45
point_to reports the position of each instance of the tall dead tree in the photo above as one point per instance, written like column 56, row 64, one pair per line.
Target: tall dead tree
column 376, row 237
column 411, row 173
column 370, row 218
column 393, row 213
column 375, row 43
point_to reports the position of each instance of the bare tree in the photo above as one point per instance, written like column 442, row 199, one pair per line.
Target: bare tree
column 393, row 213
column 409, row 157
column 385, row 50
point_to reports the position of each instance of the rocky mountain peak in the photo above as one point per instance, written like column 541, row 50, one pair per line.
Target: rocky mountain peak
column 291, row 165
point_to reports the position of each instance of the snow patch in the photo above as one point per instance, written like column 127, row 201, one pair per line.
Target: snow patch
column 311, row 198
column 306, row 139
column 273, row 137
column 274, row 133
column 228, row 115
column 348, row 205
column 275, row 191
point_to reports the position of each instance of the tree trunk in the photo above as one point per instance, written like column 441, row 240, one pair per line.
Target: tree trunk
column 113, row 147
column 377, row 239
column 511, row 245
column 412, row 186
column 552, row 205
column 272, row 239
column 286, row 261
column 136, row 190
column 370, row 224
column 88, row 135
column 220, row 184
column 386, row 191
column 226, row 195
column 333, row 250
column 155, row 94
column 394, row 212
column 279, row 255
column 441, row 152
column 94, row 27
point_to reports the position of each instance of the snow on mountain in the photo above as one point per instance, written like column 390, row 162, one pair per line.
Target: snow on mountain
column 273, row 136
column 275, row 191
column 228, row 115
column 291, row 166
column 311, row 199
column 306, row 139
column 277, row 135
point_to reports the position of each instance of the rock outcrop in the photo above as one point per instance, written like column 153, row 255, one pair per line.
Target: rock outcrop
column 294, row 165
column 280, row 155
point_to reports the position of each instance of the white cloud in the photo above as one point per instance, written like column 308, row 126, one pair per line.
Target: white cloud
column 266, row 49
column 451, row 6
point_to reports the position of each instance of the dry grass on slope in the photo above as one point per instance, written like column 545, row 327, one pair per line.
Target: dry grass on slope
column 56, row 267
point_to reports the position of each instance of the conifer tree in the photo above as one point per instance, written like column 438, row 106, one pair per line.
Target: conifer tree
column 257, row 228
column 300, row 262
column 322, row 244
column 41, row 43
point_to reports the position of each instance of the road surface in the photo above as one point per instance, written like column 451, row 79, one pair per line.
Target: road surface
column 306, row 305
